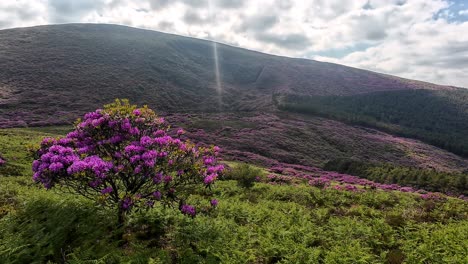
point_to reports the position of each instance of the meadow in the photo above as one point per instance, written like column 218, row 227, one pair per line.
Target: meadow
column 279, row 219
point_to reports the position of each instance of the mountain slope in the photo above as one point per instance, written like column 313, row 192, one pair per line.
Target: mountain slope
column 62, row 70
column 439, row 117
column 53, row 74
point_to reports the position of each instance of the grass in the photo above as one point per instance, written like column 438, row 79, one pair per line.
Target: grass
column 263, row 224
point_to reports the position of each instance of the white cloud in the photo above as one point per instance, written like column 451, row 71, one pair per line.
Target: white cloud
column 420, row 39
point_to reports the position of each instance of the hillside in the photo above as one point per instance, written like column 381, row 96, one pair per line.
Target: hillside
column 63, row 70
column 283, row 218
column 50, row 75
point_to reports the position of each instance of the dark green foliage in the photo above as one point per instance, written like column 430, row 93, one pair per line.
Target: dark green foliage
column 291, row 224
column 437, row 117
column 244, row 174
column 11, row 169
column 429, row 180
column 51, row 228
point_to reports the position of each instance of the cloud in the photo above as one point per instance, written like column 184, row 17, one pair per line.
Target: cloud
column 192, row 17
column 258, row 23
column 420, row 39
column 230, row 3
column 65, row 11
column 165, row 26
column 287, row 41
column 21, row 13
column 159, row 4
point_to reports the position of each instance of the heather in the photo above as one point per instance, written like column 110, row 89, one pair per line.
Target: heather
column 432, row 180
column 291, row 214
column 53, row 74
column 436, row 117
column 267, row 138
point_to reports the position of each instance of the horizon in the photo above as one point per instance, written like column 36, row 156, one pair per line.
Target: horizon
column 414, row 39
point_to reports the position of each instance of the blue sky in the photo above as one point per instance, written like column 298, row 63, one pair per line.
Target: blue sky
column 418, row 39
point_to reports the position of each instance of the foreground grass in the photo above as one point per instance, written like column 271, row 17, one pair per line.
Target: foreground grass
column 262, row 224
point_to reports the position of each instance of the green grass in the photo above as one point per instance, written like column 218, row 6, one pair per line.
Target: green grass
column 263, row 224
column 15, row 142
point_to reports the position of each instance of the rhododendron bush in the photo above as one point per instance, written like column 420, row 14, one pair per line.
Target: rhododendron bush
column 123, row 156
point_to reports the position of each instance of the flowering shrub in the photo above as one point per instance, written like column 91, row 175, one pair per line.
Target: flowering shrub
column 432, row 196
column 279, row 179
column 319, row 182
column 124, row 157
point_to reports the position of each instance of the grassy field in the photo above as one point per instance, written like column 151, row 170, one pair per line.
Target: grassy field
column 263, row 224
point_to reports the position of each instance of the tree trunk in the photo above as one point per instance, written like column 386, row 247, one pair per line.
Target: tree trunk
column 121, row 216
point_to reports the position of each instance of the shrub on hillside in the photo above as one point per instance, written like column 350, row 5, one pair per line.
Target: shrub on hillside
column 123, row 157
column 245, row 175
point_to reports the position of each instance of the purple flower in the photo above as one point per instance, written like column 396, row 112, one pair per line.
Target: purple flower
column 127, row 203
column 210, row 179
column 180, row 132
column 163, row 141
column 137, row 169
column 115, row 139
column 150, row 155
column 188, row 210
column 157, row 178
column 157, row 195
column 56, row 166
column 214, row 202
column 208, row 161
column 95, row 183
column 167, row 179
column 35, row 164
column 159, row 133
column 162, row 154
column 134, row 131
column 319, row 182
column 146, row 141
column 137, row 112
column 107, row 190
column 135, row 159
column 93, row 164
column 126, row 126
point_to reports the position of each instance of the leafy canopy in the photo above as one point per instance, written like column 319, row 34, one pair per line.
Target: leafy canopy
column 125, row 157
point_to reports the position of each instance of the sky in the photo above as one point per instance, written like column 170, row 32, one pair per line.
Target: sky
column 417, row 39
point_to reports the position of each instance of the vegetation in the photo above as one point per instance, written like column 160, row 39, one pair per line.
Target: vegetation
column 430, row 180
column 91, row 65
column 246, row 175
column 437, row 117
column 292, row 138
column 268, row 223
column 123, row 157
column 62, row 71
